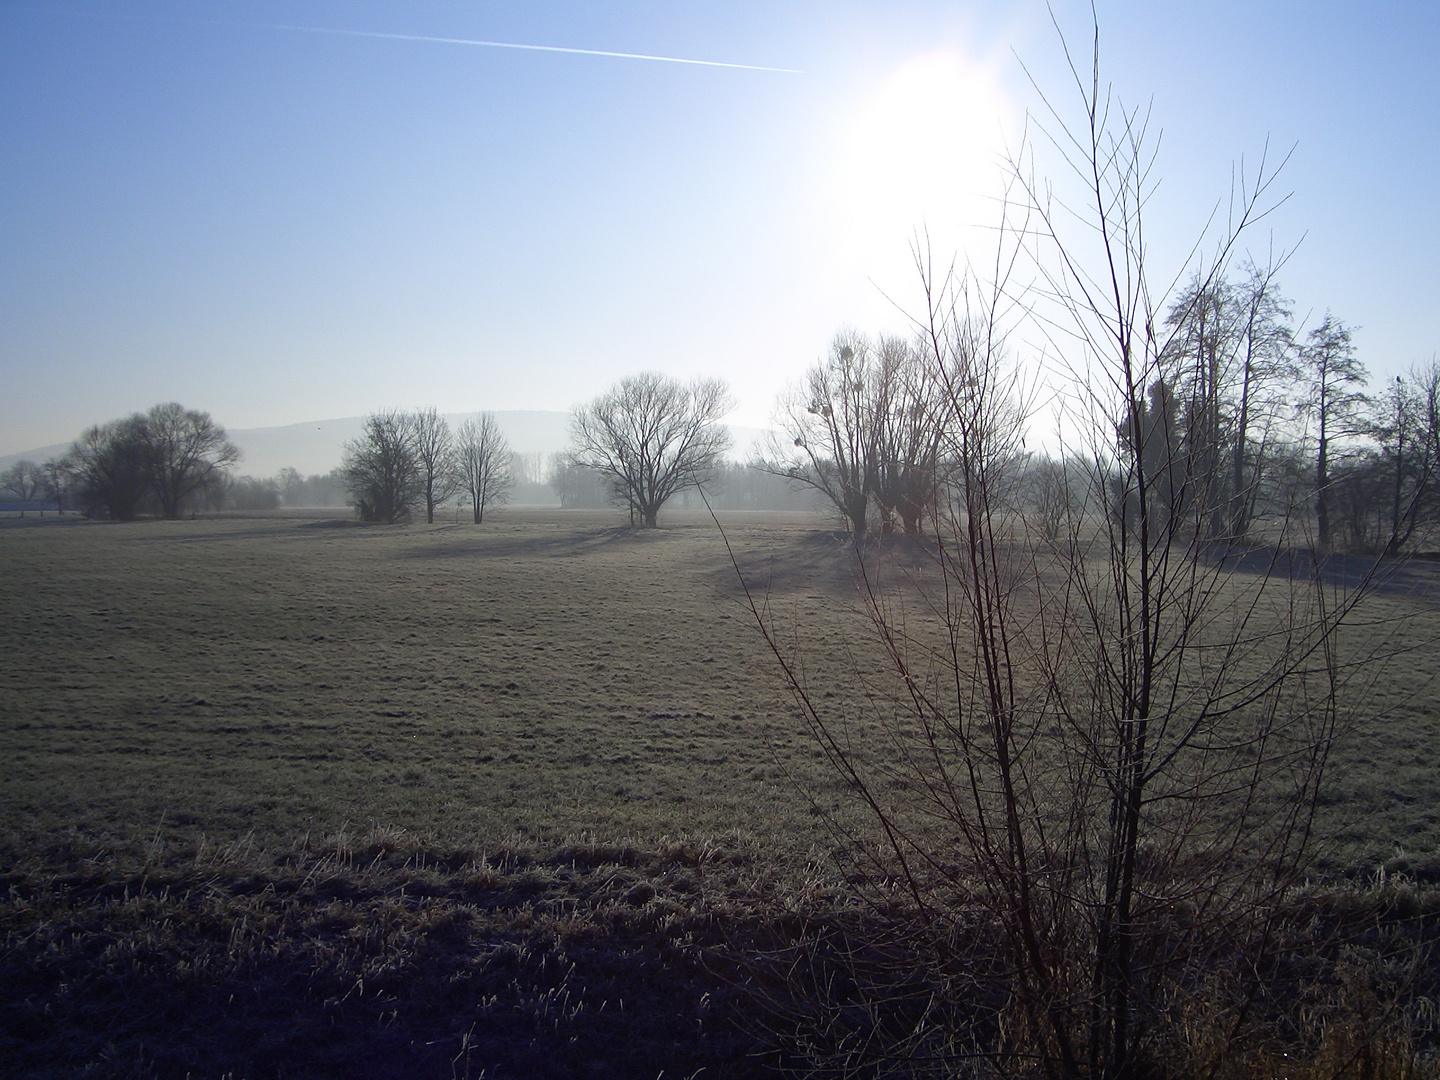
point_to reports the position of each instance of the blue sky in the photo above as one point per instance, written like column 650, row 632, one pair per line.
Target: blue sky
column 278, row 225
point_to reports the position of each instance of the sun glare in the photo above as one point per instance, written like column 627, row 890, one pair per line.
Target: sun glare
column 923, row 152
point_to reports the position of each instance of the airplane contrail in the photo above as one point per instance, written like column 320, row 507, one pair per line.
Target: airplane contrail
column 529, row 48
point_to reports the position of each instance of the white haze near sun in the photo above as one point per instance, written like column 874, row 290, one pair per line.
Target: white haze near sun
column 921, row 171
column 920, row 162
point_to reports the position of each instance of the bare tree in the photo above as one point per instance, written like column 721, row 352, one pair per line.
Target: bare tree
column 435, row 451
column 111, row 466
column 24, row 479
column 56, row 481
column 831, row 420
column 1052, row 497
column 1333, row 401
column 483, row 464
column 652, row 436
column 188, row 451
column 1267, row 366
column 1404, row 427
column 382, row 469
column 908, row 408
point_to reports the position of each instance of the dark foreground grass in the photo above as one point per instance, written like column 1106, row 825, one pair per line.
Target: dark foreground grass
column 373, row 957
column 377, row 959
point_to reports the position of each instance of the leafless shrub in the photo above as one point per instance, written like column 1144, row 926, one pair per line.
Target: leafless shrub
column 1106, row 752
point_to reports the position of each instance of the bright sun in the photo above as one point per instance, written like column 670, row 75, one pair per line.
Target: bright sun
column 923, row 152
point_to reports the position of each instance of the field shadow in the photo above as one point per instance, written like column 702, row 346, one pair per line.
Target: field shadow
column 1414, row 576
column 566, row 545
column 279, row 531
column 826, row 561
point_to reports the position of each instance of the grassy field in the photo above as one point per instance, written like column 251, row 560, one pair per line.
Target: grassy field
column 536, row 680
column 303, row 797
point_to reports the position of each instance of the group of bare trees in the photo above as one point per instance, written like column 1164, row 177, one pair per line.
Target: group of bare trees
column 1253, row 419
column 404, row 461
column 164, row 461
column 28, row 481
column 1247, row 421
column 1243, row 419
column 864, row 430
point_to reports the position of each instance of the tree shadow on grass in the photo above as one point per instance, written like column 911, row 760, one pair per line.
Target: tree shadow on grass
column 1415, row 576
column 825, row 562
column 564, row 545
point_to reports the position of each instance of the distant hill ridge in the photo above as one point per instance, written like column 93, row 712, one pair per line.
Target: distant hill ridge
column 315, row 446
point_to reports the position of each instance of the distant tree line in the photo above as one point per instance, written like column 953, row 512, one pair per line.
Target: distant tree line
column 1245, row 420
column 287, row 488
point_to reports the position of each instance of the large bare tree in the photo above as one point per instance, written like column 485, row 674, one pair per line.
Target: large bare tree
column 110, row 464
column 24, row 479
column 483, row 463
column 652, row 436
column 188, row 453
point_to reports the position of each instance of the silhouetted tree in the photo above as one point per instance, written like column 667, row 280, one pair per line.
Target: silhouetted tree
column 1333, row 375
column 188, row 451
column 111, row 466
column 483, row 464
column 435, row 450
column 56, row 481
column 382, row 469
column 651, row 436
